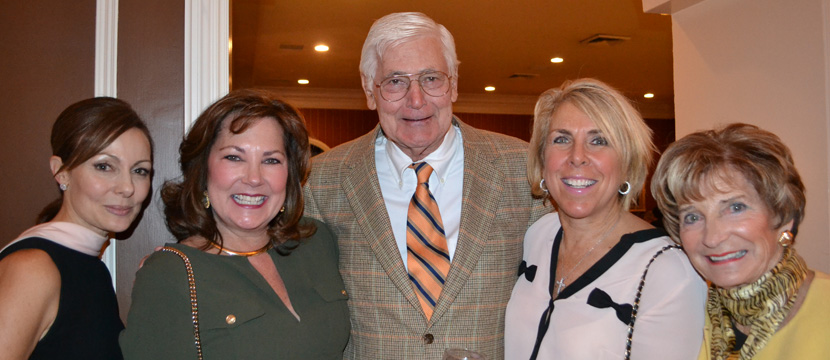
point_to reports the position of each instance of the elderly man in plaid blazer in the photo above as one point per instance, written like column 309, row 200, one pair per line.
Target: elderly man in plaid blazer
column 364, row 190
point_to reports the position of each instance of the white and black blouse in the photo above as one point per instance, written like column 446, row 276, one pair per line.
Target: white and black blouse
column 589, row 318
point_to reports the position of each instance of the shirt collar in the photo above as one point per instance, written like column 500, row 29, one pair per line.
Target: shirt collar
column 439, row 159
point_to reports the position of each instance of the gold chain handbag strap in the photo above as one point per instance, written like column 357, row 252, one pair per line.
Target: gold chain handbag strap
column 194, row 304
column 637, row 299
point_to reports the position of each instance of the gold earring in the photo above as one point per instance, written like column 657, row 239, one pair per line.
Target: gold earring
column 786, row 239
column 282, row 210
column 206, row 200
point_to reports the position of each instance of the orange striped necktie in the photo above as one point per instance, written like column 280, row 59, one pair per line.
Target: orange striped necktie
column 428, row 259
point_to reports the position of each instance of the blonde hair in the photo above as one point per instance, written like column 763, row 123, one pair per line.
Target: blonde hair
column 612, row 113
column 692, row 163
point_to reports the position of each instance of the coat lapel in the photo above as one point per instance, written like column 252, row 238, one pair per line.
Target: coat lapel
column 483, row 185
column 363, row 192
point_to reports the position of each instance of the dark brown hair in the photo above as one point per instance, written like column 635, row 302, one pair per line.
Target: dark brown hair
column 185, row 213
column 83, row 130
column 692, row 163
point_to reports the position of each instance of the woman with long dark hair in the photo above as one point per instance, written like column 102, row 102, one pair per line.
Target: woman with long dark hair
column 56, row 296
column 266, row 279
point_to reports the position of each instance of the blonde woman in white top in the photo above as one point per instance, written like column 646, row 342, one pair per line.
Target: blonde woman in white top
column 575, row 296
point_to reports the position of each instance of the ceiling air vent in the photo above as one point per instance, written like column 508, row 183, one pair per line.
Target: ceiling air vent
column 604, row 39
column 522, row 76
column 290, row 47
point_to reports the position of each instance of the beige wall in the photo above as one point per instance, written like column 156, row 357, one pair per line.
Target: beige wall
column 48, row 62
column 764, row 62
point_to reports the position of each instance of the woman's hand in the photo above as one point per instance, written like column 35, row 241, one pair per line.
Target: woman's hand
column 141, row 263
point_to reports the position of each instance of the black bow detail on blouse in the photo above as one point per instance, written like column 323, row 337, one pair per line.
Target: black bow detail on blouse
column 601, row 300
column 528, row 271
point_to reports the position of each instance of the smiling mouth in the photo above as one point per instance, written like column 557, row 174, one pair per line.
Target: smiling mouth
column 579, row 183
column 248, row 200
column 418, row 119
column 120, row 210
column 731, row 256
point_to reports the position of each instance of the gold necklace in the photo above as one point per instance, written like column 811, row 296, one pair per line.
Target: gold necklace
column 561, row 283
column 243, row 253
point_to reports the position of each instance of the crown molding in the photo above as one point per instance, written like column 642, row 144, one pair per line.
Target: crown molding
column 353, row 99
column 667, row 7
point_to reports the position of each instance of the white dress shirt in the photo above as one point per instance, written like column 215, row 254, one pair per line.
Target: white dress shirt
column 398, row 183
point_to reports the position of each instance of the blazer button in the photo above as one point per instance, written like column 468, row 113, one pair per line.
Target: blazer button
column 428, row 339
column 230, row 319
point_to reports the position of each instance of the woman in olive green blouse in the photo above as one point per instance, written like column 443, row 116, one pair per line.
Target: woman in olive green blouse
column 266, row 279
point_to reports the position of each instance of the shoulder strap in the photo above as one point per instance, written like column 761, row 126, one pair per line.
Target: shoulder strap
column 637, row 299
column 194, row 304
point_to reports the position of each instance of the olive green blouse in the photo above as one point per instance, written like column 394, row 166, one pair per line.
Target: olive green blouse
column 240, row 315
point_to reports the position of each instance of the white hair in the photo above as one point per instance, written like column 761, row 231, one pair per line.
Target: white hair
column 398, row 28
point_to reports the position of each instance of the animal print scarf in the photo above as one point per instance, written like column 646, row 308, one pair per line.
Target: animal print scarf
column 762, row 306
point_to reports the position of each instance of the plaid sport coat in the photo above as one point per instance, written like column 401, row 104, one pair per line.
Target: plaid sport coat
column 387, row 320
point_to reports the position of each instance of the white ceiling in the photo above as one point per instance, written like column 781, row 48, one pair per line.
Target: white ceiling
column 494, row 40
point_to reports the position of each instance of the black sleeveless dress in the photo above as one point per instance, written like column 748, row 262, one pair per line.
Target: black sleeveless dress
column 87, row 323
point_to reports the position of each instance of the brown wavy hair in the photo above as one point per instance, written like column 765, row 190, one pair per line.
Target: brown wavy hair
column 83, row 130
column 692, row 163
column 185, row 213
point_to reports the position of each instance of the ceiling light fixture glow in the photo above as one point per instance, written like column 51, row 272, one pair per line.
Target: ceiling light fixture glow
column 321, row 48
column 648, row 95
column 489, row 88
column 557, row 60
column 302, row 81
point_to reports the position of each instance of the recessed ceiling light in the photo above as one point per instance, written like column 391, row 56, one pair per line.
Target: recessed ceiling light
column 302, row 81
column 557, row 60
column 321, row 48
column 489, row 88
column 648, row 95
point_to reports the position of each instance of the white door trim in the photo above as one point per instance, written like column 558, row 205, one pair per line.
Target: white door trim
column 106, row 80
column 206, row 55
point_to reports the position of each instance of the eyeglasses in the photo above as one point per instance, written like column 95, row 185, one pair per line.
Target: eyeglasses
column 433, row 83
